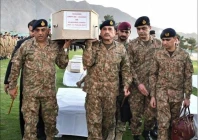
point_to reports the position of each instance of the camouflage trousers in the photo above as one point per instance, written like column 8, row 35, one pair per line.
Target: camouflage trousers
column 140, row 108
column 30, row 110
column 166, row 113
column 100, row 113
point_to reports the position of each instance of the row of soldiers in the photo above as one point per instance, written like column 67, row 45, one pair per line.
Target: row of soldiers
column 7, row 44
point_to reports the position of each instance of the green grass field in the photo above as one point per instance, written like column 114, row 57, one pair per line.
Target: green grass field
column 9, row 124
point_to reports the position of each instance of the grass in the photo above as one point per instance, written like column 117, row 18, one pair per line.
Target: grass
column 195, row 67
column 9, row 124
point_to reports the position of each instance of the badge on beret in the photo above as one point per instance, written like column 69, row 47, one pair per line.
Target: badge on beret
column 144, row 22
column 111, row 22
column 42, row 23
column 166, row 34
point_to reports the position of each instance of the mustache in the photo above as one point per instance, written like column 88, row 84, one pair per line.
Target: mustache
column 106, row 34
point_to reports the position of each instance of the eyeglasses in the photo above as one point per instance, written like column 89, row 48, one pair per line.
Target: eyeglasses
column 123, row 31
column 166, row 39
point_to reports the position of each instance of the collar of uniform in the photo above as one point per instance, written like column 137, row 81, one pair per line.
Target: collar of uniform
column 36, row 43
column 174, row 53
column 113, row 44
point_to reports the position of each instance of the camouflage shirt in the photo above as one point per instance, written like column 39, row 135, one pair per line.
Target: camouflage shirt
column 171, row 74
column 104, row 66
column 140, row 57
column 38, row 67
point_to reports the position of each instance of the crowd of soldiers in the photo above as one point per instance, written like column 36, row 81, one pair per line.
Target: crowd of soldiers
column 7, row 44
column 147, row 76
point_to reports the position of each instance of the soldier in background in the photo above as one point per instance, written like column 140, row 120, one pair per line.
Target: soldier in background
column 104, row 60
column 10, row 45
column 6, row 44
column 123, row 113
column 170, row 78
column 2, row 47
column 38, row 57
column 152, row 33
column 141, row 51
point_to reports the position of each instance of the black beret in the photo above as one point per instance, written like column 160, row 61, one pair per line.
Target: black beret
column 152, row 32
column 39, row 23
column 144, row 20
column 107, row 23
column 168, row 32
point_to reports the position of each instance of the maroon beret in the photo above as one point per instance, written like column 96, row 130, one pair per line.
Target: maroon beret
column 124, row 26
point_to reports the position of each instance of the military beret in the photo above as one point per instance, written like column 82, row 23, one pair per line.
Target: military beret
column 39, row 23
column 107, row 23
column 168, row 32
column 124, row 26
column 144, row 20
column 152, row 32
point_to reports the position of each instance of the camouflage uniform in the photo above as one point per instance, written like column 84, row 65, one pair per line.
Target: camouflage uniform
column 140, row 56
column 102, row 87
column 6, row 40
column 38, row 84
column 2, row 48
column 120, row 125
column 171, row 77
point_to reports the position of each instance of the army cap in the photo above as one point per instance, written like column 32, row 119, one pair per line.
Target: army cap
column 107, row 23
column 124, row 26
column 144, row 20
column 152, row 32
column 168, row 32
column 39, row 23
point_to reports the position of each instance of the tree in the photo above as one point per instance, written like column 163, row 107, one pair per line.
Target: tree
column 182, row 40
column 108, row 17
column 192, row 42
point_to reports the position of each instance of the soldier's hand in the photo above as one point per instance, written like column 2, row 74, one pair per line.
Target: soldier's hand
column 13, row 93
column 126, row 91
column 153, row 102
column 143, row 90
column 6, row 86
column 68, row 43
column 186, row 102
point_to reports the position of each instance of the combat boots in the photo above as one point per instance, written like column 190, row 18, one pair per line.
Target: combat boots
column 146, row 135
column 154, row 132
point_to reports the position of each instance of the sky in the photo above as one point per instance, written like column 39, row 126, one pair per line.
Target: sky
column 180, row 15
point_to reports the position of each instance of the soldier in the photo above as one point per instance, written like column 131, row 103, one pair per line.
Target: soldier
column 40, row 125
column 2, row 47
column 152, row 33
column 141, row 51
column 6, row 44
column 38, row 57
column 103, row 60
column 123, row 113
column 170, row 79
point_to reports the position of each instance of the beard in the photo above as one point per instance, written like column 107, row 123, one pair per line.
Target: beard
column 123, row 38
